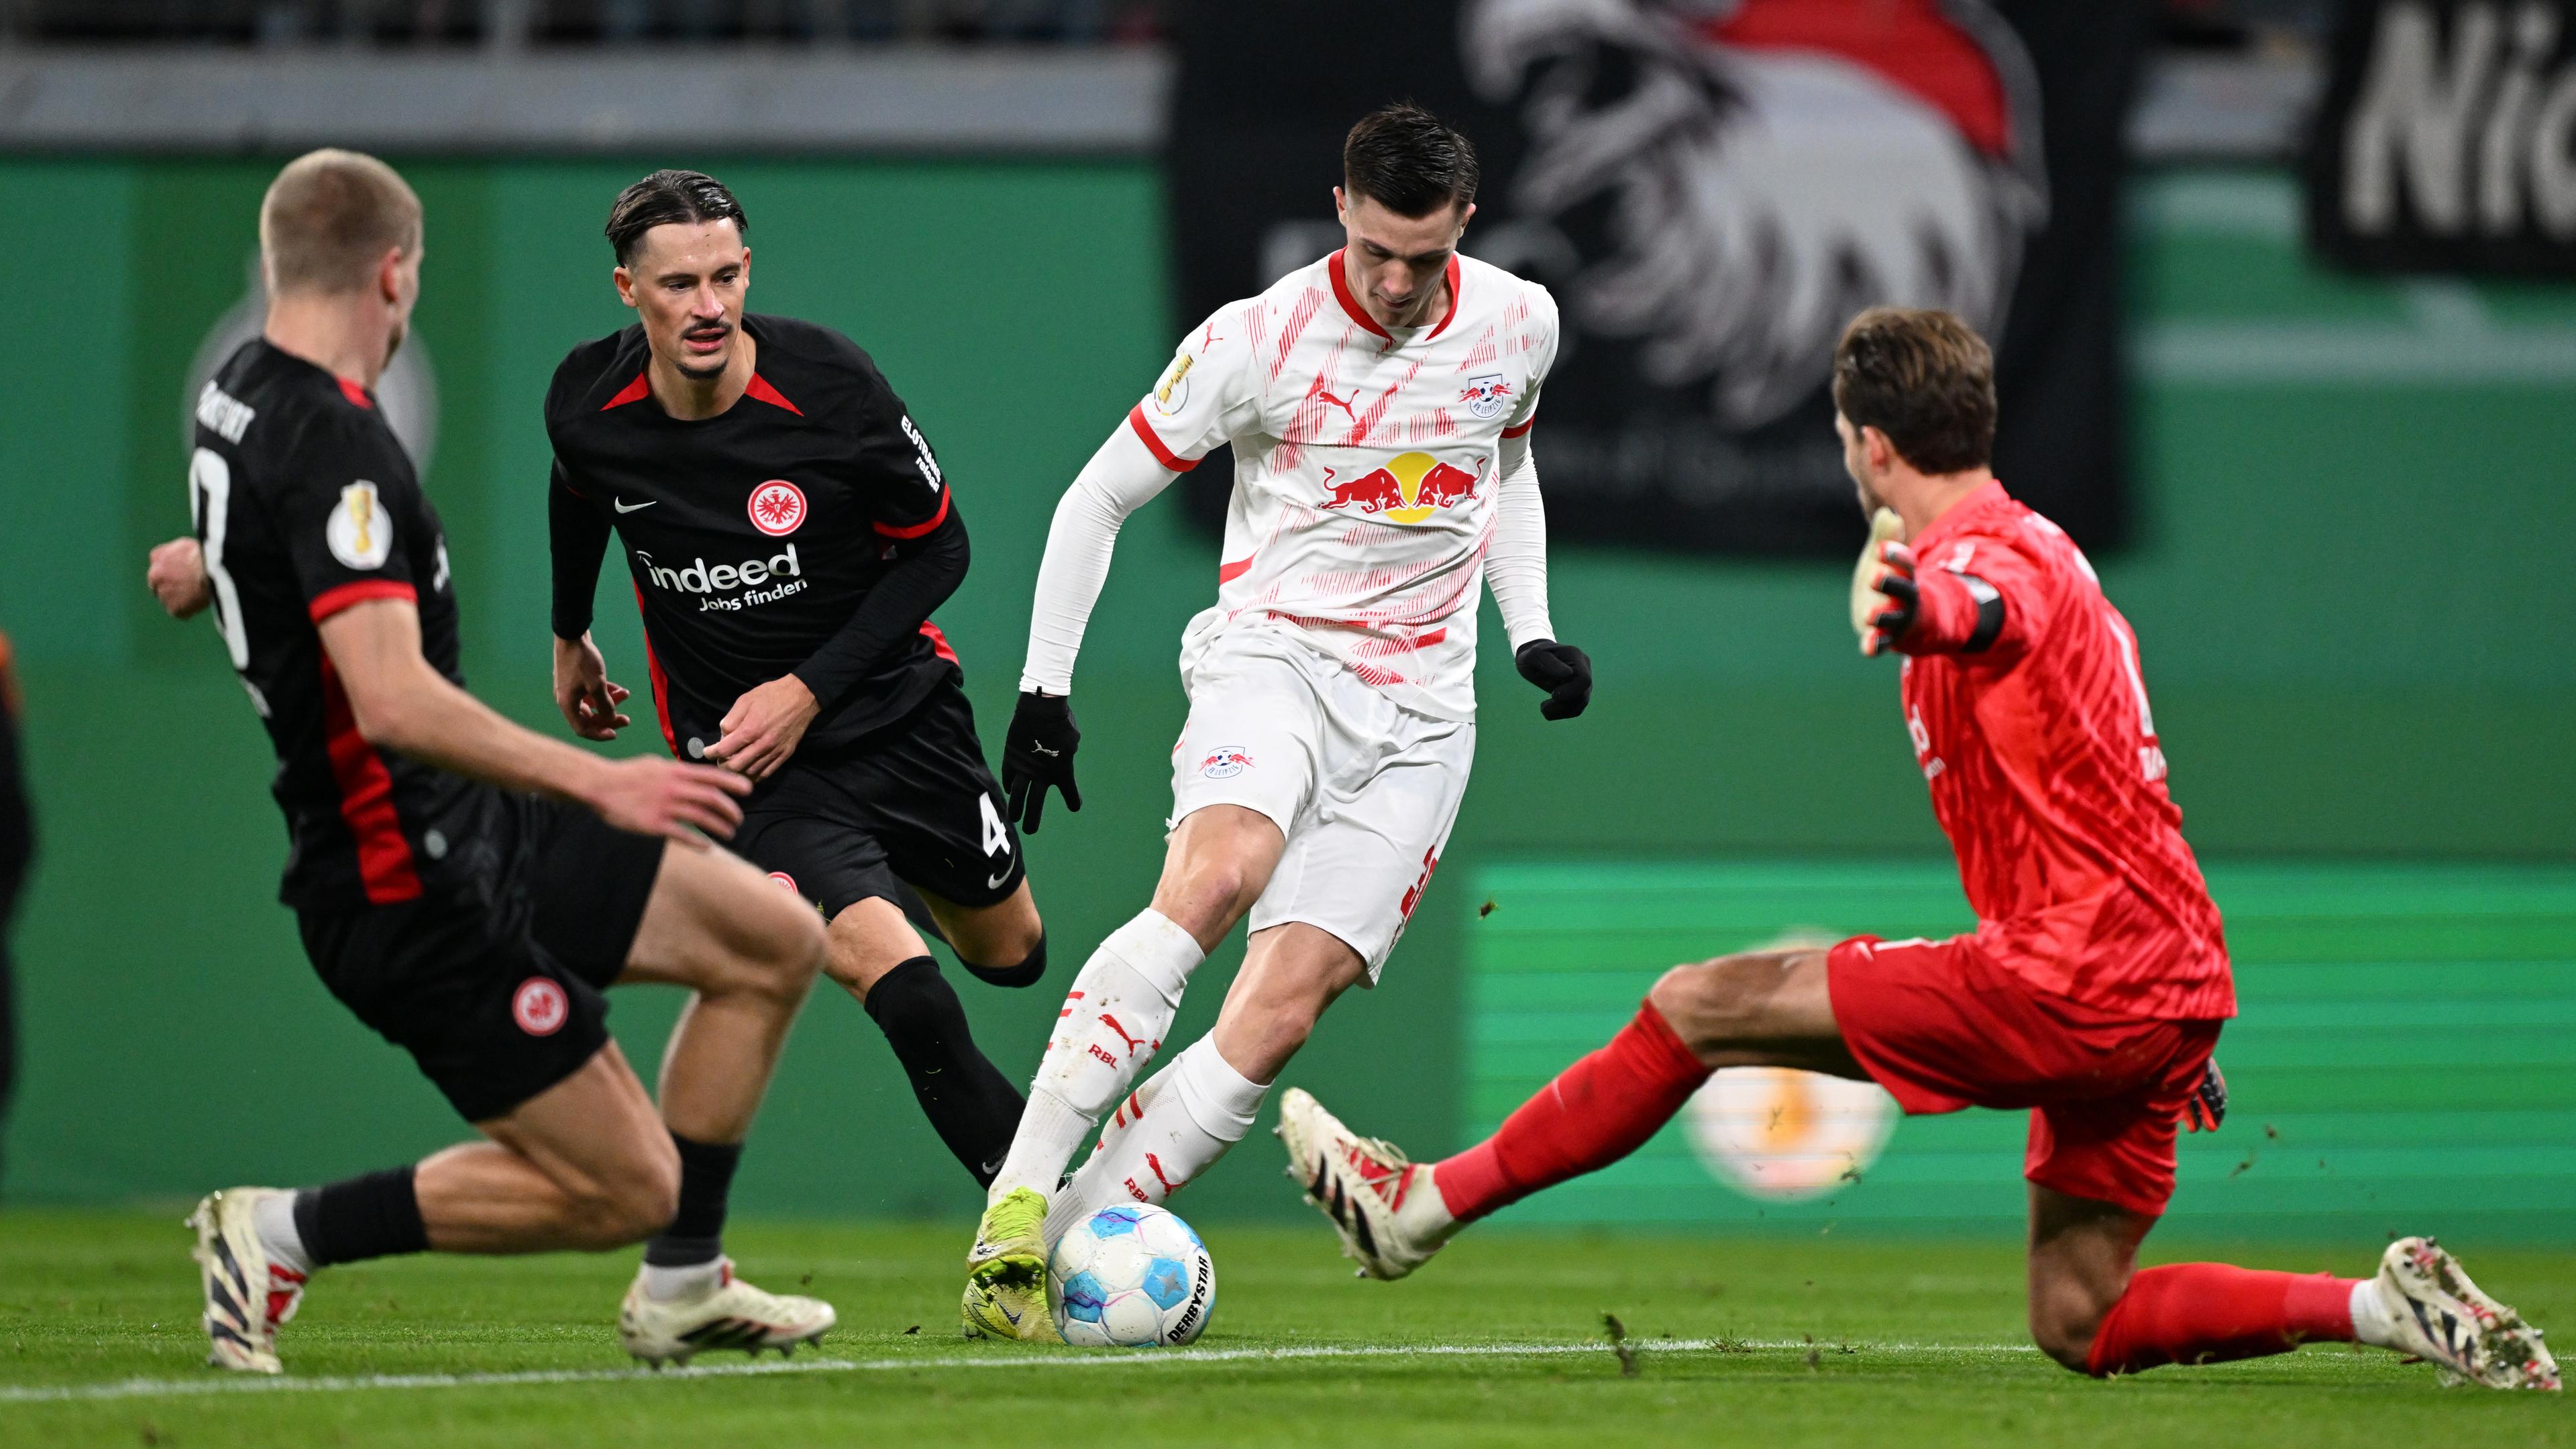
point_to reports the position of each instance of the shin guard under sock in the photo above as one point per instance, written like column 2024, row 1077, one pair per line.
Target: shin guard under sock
column 2212, row 1312
column 972, row 1106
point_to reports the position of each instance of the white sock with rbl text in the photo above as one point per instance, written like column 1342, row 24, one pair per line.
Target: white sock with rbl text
column 1113, row 1021
column 1197, row 1109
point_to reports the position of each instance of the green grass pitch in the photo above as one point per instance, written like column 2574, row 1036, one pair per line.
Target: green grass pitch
column 1500, row 1342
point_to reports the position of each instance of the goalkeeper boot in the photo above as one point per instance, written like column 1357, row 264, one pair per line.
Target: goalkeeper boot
column 247, row 1296
column 2443, row 1317
column 728, row 1313
column 1006, row 1272
column 1385, row 1206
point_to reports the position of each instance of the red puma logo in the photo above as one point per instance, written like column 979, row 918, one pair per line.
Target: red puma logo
column 1111, row 1022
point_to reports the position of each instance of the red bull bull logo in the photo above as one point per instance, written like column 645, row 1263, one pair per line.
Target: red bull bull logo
column 1408, row 489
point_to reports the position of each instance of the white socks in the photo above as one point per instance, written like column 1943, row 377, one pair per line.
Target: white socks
column 1112, row 1024
column 688, row 1280
column 1194, row 1111
column 273, row 1218
column 2372, row 1321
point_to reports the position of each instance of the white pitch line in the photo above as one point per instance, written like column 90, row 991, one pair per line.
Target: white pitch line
column 239, row 1384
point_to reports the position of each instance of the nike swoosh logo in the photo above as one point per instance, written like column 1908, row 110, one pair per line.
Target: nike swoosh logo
column 1007, row 1313
column 625, row 507
column 996, row 882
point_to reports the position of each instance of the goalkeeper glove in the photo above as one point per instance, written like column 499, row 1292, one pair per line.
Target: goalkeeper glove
column 2208, row 1105
column 1038, row 752
column 1895, row 607
column 1564, row 671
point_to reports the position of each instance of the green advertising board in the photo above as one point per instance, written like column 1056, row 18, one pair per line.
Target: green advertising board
column 2404, row 1059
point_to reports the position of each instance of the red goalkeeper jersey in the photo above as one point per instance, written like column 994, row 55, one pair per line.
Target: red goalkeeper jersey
column 2045, row 773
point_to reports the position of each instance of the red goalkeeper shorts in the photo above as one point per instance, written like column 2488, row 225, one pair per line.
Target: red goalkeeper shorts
column 1942, row 1026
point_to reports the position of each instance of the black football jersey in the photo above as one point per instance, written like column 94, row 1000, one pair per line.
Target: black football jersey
column 306, row 504
column 752, row 536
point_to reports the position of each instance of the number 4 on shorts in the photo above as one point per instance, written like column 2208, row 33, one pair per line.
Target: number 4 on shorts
column 997, row 840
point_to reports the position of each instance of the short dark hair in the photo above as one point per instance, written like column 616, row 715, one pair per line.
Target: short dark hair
column 685, row 197
column 1408, row 161
column 1924, row 378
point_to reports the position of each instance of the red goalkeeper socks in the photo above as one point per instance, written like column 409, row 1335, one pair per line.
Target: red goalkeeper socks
column 1596, row 1111
column 2211, row 1312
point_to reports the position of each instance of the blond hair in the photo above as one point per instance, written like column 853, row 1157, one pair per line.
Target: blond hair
column 330, row 217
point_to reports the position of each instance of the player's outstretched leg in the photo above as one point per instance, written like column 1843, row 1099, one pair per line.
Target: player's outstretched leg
column 749, row 952
column 1393, row 1213
column 584, row 1164
column 2093, row 1312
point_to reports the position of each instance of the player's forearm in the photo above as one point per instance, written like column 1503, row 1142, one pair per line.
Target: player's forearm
column 437, row 723
column 577, row 536
column 1516, row 567
column 893, row 612
column 401, row 704
column 1120, row 478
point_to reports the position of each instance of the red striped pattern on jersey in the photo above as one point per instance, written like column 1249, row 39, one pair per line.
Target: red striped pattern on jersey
column 366, row 799
column 661, row 683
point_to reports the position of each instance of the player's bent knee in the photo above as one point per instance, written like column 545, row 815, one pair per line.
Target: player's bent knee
column 1025, row 972
column 644, row 1201
column 787, row 948
column 1707, row 1002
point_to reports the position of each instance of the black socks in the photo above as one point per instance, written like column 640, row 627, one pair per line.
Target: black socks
column 974, row 1108
column 374, row 1216
column 696, row 1233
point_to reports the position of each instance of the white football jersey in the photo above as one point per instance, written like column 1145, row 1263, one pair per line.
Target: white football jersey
column 1364, row 466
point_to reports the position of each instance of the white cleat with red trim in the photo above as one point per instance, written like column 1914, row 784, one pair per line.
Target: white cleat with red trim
column 247, row 1297
column 730, row 1314
column 2447, row 1320
column 1384, row 1205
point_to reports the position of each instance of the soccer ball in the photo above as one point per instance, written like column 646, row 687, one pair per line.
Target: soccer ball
column 1131, row 1277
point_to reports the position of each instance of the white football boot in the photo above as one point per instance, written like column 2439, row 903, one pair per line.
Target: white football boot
column 2445, row 1319
column 1383, row 1204
column 730, row 1314
column 247, row 1296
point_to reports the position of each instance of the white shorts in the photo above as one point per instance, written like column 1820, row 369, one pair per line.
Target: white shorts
column 1364, row 791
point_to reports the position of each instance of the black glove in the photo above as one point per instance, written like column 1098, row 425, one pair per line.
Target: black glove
column 1564, row 671
column 1038, row 752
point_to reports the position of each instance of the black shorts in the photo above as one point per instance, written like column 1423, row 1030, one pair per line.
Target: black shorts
column 910, row 802
column 494, row 988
